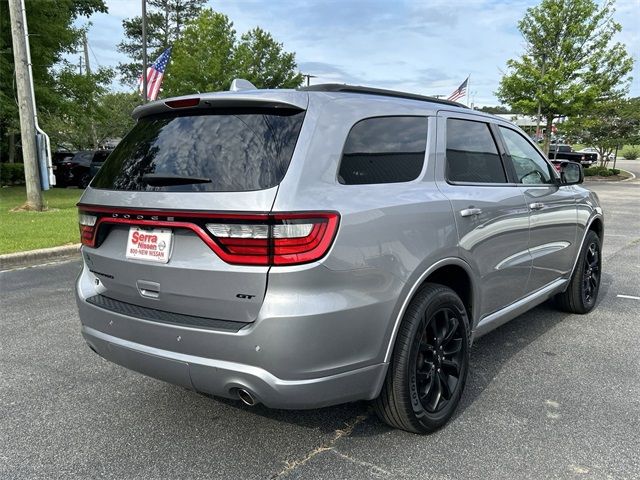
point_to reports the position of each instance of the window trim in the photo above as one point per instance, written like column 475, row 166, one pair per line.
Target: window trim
column 424, row 160
column 501, row 155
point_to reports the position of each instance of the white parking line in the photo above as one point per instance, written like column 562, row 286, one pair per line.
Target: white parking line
column 628, row 296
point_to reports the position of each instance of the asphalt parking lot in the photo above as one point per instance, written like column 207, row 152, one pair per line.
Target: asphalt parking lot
column 550, row 395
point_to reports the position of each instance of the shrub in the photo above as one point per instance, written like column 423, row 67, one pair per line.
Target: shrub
column 600, row 171
column 11, row 173
column 630, row 153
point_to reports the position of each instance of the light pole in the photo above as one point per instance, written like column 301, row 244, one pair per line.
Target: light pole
column 144, row 50
column 308, row 77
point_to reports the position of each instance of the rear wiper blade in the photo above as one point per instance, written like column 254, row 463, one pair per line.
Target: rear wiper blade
column 165, row 179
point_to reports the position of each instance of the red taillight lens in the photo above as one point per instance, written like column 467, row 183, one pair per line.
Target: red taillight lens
column 87, row 228
column 285, row 239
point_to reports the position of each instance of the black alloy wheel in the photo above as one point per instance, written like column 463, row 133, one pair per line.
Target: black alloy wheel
column 591, row 275
column 429, row 364
column 438, row 359
column 582, row 291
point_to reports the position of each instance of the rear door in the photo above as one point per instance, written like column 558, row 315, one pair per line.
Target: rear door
column 172, row 181
column 552, row 207
column 490, row 213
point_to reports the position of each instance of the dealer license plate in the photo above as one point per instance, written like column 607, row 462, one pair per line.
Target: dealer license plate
column 151, row 245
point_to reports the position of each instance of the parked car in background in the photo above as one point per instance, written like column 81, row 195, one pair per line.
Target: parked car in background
column 327, row 244
column 98, row 159
column 60, row 156
column 80, row 168
column 558, row 151
column 610, row 157
column 74, row 171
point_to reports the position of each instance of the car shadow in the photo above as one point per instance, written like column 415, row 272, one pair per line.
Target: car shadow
column 489, row 355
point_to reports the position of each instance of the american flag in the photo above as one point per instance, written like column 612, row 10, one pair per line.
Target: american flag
column 459, row 92
column 155, row 74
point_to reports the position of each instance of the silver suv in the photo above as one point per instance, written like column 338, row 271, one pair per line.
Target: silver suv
column 304, row 248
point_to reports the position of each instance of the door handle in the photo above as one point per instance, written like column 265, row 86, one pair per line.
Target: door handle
column 536, row 206
column 470, row 212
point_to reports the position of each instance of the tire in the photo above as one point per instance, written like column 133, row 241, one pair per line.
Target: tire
column 83, row 181
column 582, row 293
column 431, row 348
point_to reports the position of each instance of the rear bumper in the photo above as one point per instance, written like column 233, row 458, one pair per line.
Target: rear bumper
column 301, row 352
column 223, row 378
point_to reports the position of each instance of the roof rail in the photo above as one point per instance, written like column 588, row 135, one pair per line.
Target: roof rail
column 341, row 87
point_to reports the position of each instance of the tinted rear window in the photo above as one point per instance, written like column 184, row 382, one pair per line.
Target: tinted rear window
column 238, row 150
column 384, row 150
column 472, row 155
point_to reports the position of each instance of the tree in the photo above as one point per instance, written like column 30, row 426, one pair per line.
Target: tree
column 607, row 126
column 570, row 61
column 91, row 113
column 263, row 61
column 208, row 56
column 51, row 34
column 165, row 21
column 202, row 59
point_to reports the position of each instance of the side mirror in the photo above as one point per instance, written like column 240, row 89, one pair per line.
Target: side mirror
column 571, row 173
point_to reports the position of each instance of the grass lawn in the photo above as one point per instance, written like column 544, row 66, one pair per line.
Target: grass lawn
column 20, row 231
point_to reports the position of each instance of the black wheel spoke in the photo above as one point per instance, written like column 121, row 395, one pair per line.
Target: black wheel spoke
column 434, row 394
column 452, row 367
column 452, row 327
column 453, row 347
column 444, row 382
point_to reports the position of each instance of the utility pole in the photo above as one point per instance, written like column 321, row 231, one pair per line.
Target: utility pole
column 144, row 50
column 87, row 66
column 25, row 107
column 85, row 45
column 308, row 77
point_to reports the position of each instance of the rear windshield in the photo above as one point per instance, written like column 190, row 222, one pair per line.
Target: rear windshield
column 237, row 150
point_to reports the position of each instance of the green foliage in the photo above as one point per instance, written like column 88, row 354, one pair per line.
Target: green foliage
column 208, row 56
column 73, row 123
column 165, row 21
column 495, row 110
column 202, row 59
column 630, row 152
column 606, row 125
column 11, row 173
column 600, row 171
column 52, row 32
column 570, row 60
column 263, row 61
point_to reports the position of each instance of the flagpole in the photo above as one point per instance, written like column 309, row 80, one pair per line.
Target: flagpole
column 468, row 88
column 144, row 50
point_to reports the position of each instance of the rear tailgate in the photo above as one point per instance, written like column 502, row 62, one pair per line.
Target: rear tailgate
column 236, row 158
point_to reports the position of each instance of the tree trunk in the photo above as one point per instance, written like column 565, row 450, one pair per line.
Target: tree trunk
column 12, row 147
column 547, row 135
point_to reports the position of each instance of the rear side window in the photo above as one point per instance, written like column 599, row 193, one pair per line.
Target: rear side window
column 384, row 150
column 230, row 150
column 472, row 155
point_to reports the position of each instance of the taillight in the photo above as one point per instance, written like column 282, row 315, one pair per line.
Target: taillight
column 87, row 228
column 283, row 239
column 239, row 239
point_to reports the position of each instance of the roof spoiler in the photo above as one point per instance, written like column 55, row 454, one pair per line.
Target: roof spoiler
column 285, row 99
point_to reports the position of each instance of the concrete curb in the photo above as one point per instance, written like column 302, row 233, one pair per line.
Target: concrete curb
column 632, row 177
column 34, row 257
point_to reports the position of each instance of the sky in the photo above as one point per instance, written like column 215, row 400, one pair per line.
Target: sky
column 420, row 46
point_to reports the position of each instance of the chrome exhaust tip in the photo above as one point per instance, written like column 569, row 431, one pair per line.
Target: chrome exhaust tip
column 246, row 397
